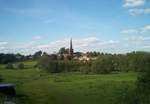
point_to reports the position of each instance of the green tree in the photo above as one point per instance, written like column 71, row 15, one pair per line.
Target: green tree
column 61, row 57
column 143, row 87
column 63, row 50
column 9, row 66
column 48, row 63
column 37, row 55
column 103, row 65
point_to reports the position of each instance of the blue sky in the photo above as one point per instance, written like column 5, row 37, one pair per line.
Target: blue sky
column 115, row 26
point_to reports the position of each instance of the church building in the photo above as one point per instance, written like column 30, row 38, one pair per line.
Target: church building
column 71, row 51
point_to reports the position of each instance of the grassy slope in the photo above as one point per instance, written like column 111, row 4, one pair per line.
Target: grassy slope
column 37, row 87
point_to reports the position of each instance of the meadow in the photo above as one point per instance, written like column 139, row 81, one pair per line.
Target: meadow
column 34, row 86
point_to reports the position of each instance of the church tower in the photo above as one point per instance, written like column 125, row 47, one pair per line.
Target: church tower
column 71, row 49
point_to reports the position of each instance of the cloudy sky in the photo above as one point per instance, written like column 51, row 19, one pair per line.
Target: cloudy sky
column 114, row 26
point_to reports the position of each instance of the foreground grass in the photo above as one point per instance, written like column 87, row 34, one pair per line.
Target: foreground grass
column 38, row 87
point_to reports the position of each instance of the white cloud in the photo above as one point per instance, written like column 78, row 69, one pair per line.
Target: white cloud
column 1, row 48
column 3, row 43
column 146, row 28
column 137, row 7
column 85, row 44
column 137, row 31
column 129, row 31
column 138, row 11
column 37, row 37
column 31, row 44
column 146, row 47
column 138, row 38
column 134, row 3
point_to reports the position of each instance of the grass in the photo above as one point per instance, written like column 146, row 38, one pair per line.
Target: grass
column 38, row 87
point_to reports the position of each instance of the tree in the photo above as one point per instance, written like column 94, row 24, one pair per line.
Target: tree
column 9, row 66
column 53, row 57
column 44, row 53
column 37, row 55
column 63, row 50
column 48, row 63
column 61, row 57
column 143, row 87
column 103, row 65
column 7, row 58
column 19, row 57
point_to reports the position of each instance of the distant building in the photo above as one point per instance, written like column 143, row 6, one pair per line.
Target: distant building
column 68, row 53
column 71, row 51
column 77, row 55
column 86, row 57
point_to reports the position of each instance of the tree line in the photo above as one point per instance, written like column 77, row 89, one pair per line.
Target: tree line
column 12, row 58
column 104, row 63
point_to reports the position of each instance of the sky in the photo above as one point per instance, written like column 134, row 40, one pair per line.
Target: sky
column 113, row 26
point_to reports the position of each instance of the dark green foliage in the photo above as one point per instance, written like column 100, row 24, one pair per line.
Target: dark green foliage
column 143, row 87
column 7, row 58
column 63, row 50
column 10, row 58
column 43, row 62
column 48, row 63
column 144, row 81
column 20, row 66
column 55, row 66
column 85, row 69
column 103, row 65
column 37, row 55
column 141, row 93
column 9, row 66
column 52, row 57
column 69, row 65
column 93, row 54
column 138, row 61
column 1, row 78
column 135, row 61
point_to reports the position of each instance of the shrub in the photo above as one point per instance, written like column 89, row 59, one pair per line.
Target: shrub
column 1, row 78
column 143, row 87
column 103, row 65
column 20, row 66
column 9, row 66
column 48, row 64
column 85, row 69
column 56, row 66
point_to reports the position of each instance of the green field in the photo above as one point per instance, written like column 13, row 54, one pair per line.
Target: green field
column 34, row 86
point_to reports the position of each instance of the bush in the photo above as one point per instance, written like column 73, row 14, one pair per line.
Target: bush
column 1, row 78
column 56, row 66
column 9, row 66
column 103, row 65
column 85, row 69
column 48, row 64
column 20, row 66
column 143, row 87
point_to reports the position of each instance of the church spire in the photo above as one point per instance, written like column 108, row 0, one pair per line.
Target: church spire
column 71, row 48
